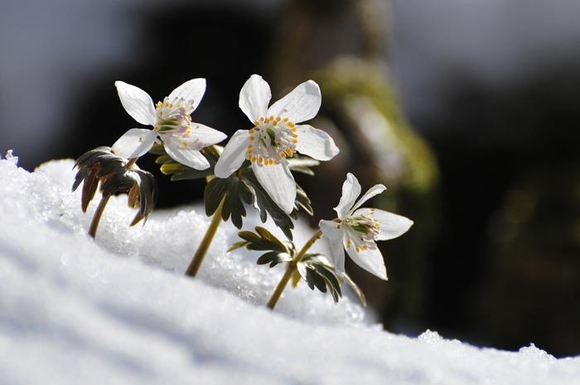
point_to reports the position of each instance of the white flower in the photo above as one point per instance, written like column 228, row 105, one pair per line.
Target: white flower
column 356, row 229
column 275, row 137
column 171, row 121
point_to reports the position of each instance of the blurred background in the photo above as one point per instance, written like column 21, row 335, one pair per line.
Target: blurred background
column 468, row 110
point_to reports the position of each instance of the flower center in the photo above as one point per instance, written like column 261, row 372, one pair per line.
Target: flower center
column 271, row 141
column 362, row 231
column 173, row 115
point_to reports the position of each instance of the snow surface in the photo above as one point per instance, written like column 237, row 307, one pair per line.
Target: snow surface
column 118, row 310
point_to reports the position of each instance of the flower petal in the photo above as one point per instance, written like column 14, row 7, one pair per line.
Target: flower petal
column 190, row 90
column 350, row 191
column 134, row 143
column 375, row 190
column 205, row 136
column 315, row 143
column 137, row 103
column 233, row 155
column 254, row 97
column 187, row 156
column 370, row 259
column 301, row 104
column 334, row 234
column 278, row 183
column 392, row 225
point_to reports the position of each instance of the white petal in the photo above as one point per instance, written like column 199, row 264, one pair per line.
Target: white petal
column 278, row 183
column 375, row 190
column 190, row 90
column 233, row 155
column 315, row 143
column 301, row 104
column 205, row 136
column 134, row 143
column 189, row 157
column 350, row 191
column 370, row 259
column 334, row 234
column 254, row 97
column 137, row 103
column 392, row 225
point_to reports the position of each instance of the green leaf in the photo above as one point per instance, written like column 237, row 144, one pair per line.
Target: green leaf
column 250, row 236
column 267, row 235
column 262, row 239
column 239, row 189
column 318, row 273
column 237, row 245
column 268, row 207
column 331, row 281
column 178, row 171
column 271, row 258
column 314, row 280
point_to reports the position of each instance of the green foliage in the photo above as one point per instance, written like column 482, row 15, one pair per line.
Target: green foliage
column 315, row 269
column 239, row 189
column 319, row 273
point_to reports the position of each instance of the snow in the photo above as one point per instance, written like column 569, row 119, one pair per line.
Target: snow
column 118, row 310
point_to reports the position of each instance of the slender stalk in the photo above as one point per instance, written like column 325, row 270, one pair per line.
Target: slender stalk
column 130, row 163
column 197, row 260
column 98, row 214
column 292, row 266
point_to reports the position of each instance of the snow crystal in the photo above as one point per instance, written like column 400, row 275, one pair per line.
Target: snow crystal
column 118, row 310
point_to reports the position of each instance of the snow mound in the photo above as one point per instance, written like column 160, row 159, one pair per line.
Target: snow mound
column 118, row 309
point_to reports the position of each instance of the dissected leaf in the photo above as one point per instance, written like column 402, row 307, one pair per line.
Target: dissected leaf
column 318, row 273
column 271, row 258
column 237, row 245
column 268, row 236
column 262, row 239
column 239, row 189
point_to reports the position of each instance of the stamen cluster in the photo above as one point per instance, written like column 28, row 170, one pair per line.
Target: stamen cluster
column 363, row 230
column 271, row 140
column 173, row 115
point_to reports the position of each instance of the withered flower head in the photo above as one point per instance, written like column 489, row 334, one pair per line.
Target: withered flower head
column 115, row 175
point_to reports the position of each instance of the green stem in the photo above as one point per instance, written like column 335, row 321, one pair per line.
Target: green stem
column 292, row 266
column 197, row 260
column 98, row 214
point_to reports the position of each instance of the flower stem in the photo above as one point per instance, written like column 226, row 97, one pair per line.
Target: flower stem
column 292, row 266
column 98, row 214
column 197, row 260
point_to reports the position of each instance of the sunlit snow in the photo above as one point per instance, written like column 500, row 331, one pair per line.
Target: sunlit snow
column 118, row 310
